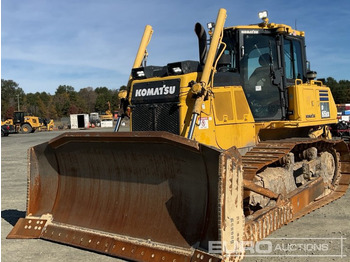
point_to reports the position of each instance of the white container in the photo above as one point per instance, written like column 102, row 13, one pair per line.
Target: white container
column 78, row 121
column 107, row 123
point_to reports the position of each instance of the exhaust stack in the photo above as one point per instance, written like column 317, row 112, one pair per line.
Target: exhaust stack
column 202, row 42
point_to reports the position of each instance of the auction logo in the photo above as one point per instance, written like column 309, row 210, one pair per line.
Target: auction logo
column 282, row 247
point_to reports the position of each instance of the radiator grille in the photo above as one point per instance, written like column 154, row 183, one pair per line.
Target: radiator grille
column 156, row 117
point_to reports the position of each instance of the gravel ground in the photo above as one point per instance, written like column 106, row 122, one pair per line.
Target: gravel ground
column 331, row 223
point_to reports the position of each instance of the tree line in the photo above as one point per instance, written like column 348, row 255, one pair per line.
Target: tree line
column 64, row 102
column 67, row 101
column 340, row 90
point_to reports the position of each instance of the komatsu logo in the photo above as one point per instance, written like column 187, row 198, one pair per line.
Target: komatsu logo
column 155, row 91
column 250, row 32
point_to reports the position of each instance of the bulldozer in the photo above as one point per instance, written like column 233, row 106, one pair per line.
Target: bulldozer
column 222, row 152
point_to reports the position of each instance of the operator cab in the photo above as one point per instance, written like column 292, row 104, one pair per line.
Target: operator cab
column 268, row 58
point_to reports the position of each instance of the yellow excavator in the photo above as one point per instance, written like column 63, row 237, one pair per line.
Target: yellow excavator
column 108, row 114
column 223, row 151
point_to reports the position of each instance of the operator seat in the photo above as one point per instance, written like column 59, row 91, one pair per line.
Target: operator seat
column 261, row 75
column 262, row 95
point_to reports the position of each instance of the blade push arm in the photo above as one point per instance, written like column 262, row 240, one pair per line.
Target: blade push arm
column 140, row 57
column 201, row 88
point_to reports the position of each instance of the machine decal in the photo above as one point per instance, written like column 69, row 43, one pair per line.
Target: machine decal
column 250, row 32
column 156, row 91
column 203, row 123
column 325, row 110
column 324, row 105
column 323, row 95
column 310, row 116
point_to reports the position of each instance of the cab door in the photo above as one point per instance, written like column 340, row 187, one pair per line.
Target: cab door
column 262, row 75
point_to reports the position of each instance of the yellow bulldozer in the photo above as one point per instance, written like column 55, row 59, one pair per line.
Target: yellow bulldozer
column 223, row 151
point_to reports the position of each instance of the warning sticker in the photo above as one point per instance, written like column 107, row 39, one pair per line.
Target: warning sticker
column 203, row 123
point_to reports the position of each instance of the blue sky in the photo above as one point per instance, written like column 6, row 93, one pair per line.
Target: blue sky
column 47, row 43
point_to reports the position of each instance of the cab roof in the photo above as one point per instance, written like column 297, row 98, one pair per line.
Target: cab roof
column 280, row 28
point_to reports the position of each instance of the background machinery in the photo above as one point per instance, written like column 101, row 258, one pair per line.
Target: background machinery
column 108, row 114
column 106, row 119
column 223, row 151
column 46, row 124
column 24, row 122
column 5, row 130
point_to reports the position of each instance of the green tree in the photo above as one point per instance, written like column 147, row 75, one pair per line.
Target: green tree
column 11, row 94
column 104, row 95
column 340, row 91
column 45, row 101
column 88, row 97
column 64, row 97
column 344, row 90
column 31, row 103
column 42, row 109
column 46, row 98
column 52, row 112
column 64, row 89
column 62, row 104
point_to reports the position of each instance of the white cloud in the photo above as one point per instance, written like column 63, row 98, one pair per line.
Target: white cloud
column 51, row 40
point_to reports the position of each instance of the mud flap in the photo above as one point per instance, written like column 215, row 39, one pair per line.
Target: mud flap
column 143, row 196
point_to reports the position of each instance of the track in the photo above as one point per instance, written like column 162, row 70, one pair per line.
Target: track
column 304, row 199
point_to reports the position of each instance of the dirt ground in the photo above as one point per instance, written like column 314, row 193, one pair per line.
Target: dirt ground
column 327, row 228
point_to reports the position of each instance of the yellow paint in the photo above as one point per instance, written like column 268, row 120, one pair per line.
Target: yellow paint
column 305, row 104
column 228, row 118
column 225, row 119
column 142, row 52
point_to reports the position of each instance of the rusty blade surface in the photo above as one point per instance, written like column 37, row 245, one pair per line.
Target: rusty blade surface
column 155, row 192
column 28, row 228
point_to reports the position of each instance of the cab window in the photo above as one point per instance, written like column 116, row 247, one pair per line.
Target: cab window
column 258, row 63
column 293, row 59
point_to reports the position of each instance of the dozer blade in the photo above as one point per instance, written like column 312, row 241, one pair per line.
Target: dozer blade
column 143, row 196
